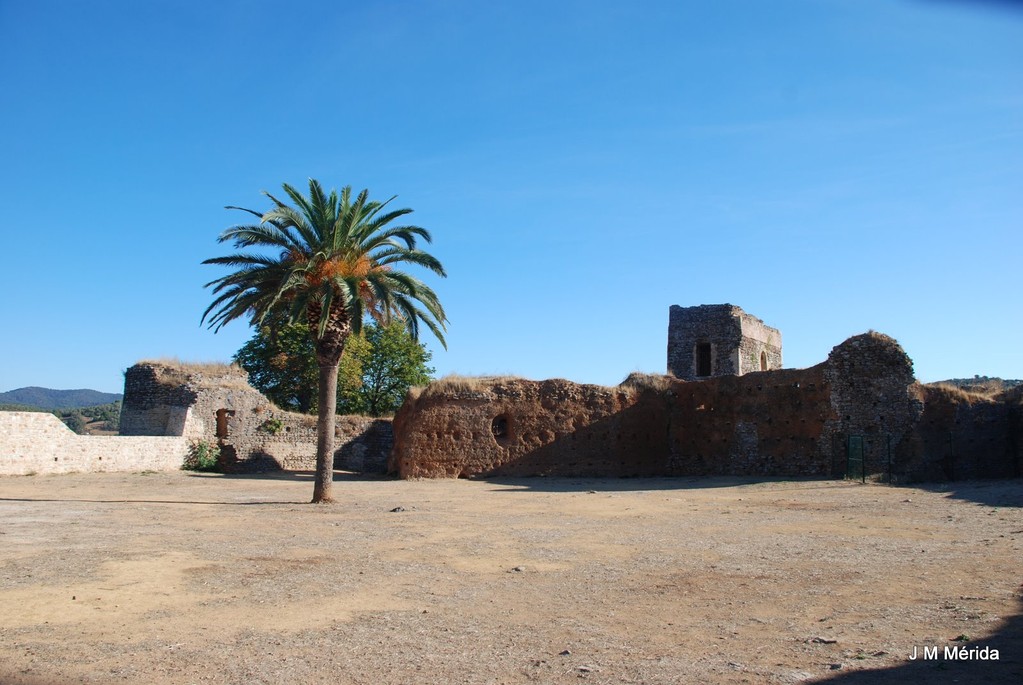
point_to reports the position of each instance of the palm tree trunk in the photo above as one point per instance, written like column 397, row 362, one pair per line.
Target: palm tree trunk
column 325, row 422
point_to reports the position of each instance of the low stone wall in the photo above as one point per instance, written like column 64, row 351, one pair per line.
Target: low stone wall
column 38, row 442
column 362, row 444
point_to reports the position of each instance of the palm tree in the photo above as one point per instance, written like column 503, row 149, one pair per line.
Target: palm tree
column 328, row 261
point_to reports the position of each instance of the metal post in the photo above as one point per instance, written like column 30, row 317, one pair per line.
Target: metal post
column 889, row 459
column 951, row 458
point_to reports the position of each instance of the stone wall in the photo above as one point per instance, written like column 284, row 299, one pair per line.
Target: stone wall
column 215, row 403
column 154, row 403
column 769, row 423
column 875, row 397
column 739, row 342
column 773, row 423
column 517, row 427
column 759, row 345
column 38, row 442
column 961, row 435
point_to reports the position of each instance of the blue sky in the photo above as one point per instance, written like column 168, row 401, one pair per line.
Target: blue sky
column 831, row 166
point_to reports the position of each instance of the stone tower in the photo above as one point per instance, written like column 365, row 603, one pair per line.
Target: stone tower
column 719, row 340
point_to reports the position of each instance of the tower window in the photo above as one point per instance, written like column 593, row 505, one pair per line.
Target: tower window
column 703, row 365
column 763, row 361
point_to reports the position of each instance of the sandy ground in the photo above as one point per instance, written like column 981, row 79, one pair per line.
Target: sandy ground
column 185, row 578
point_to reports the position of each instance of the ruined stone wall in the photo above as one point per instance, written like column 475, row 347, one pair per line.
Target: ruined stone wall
column 773, row 423
column 739, row 342
column 1014, row 399
column 152, row 405
column 39, row 443
column 524, row 428
column 715, row 324
column 961, row 436
column 758, row 424
column 766, row 423
column 758, row 344
column 874, row 397
column 215, row 403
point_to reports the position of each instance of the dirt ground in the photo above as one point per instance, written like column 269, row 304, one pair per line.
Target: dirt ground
column 185, row 578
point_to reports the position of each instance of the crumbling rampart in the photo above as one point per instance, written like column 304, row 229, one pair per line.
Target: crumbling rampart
column 963, row 435
column 771, row 423
column 216, row 404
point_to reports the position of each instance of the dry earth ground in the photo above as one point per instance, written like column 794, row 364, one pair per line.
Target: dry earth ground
column 183, row 578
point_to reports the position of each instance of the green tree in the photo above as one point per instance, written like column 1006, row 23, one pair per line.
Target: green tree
column 328, row 261
column 281, row 363
column 73, row 420
column 378, row 368
column 395, row 363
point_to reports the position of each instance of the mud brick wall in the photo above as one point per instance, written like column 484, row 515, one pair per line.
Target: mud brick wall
column 39, row 443
column 772, row 423
column 524, row 428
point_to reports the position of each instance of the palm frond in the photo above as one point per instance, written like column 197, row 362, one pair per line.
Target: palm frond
column 336, row 249
column 417, row 257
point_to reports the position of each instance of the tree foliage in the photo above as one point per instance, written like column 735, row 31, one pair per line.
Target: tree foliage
column 378, row 368
column 395, row 363
column 83, row 420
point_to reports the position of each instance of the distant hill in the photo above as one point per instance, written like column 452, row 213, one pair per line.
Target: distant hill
column 45, row 398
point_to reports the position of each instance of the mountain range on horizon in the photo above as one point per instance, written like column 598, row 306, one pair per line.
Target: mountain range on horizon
column 48, row 398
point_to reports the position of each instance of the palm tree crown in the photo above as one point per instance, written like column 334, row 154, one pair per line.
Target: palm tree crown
column 327, row 261
column 335, row 255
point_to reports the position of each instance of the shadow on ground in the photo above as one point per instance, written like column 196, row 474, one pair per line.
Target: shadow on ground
column 992, row 493
column 573, row 484
column 295, row 476
column 941, row 671
column 288, row 476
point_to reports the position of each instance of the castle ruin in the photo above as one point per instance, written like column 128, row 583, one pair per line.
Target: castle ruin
column 719, row 340
column 728, row 408
column 214, row 403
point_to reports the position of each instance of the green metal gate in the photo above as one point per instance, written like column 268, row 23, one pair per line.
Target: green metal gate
column 855, row 457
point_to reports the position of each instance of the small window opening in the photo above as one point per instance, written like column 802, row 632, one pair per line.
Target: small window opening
column 223, row 417
column 763, row 361
column 499, row 427
column 703, row 359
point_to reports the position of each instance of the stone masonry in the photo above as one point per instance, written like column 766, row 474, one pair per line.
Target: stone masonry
column 38, row 443
column 216, row 404
column 719, row 340
column 786, row 422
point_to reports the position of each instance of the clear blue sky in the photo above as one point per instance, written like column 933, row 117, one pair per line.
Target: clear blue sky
column 831, row 166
